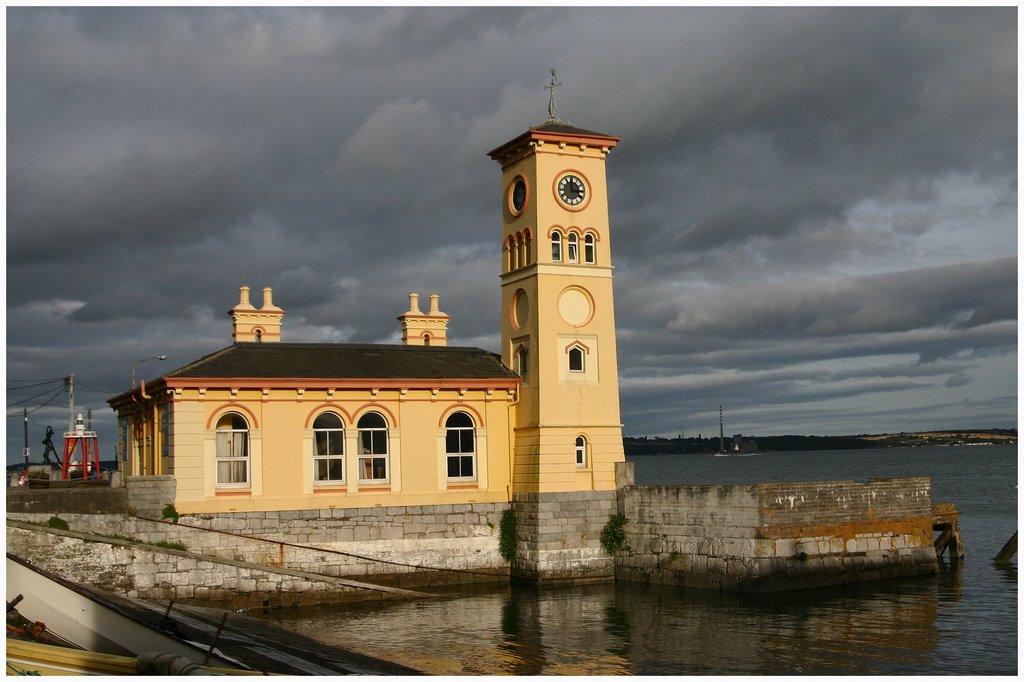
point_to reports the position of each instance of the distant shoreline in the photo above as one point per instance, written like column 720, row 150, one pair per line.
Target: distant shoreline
column 655, row 445
column 644, row 445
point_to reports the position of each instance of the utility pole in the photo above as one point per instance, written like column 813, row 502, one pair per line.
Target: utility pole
column 70, row 383
column 26, row 436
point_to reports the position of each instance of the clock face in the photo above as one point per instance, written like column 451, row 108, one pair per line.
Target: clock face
column 518, row 195
column 571, row 190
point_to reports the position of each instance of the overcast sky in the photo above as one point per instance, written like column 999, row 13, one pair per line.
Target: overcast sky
column 813, row 211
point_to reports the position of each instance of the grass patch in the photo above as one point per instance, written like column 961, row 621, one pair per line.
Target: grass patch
column 167, row 544
column 57, row 522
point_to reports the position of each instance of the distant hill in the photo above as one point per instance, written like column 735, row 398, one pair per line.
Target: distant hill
column 643, row 445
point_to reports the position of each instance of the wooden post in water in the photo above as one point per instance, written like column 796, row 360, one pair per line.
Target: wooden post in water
column 946, row 519
column 1008, row 551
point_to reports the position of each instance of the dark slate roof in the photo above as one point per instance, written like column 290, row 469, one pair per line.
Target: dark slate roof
column 563, row 127
column 550, row 127
column 346, row 361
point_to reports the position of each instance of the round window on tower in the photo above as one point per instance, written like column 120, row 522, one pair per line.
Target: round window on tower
column 517, row 195
column 520, row 309
column 575, row 306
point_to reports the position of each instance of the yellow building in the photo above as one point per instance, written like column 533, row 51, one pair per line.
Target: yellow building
column 263, row 425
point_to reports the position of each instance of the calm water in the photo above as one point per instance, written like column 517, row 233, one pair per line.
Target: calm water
column 964, row 621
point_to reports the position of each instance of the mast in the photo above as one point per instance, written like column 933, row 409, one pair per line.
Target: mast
column 721, row 431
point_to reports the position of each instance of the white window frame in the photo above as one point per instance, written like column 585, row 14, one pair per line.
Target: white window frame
column 229, row 441
column 556, row 246
column 573, row 248
column 368, row 457
column 581, row 452
column 582, row 354
column 331, row 433
column 589, row 249
column 461, row 433
column 521, row 362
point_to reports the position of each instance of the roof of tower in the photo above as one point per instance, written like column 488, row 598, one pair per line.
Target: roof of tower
column 551, row 130
column 564, row 127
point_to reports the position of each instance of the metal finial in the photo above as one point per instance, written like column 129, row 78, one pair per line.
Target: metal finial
column 552, row 115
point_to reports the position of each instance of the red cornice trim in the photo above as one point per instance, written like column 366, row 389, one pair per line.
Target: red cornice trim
column 569, row 138
column 338, row 384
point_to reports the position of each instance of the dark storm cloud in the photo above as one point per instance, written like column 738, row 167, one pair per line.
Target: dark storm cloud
column 810, row 207
column 889, row 302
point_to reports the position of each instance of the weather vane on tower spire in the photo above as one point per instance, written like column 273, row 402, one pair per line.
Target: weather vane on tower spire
column 552, row 116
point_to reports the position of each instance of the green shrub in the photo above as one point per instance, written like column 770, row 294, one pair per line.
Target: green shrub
column 171, row 513
column 507, row 535
column 167, row 544
column 57, row 522
column 613, row 535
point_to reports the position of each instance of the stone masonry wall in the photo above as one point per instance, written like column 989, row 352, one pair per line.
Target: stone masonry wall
column 769, row 537
column 143, row 495
column 148, row 495
column 559, row 535
column 164, row 574
column 86, row 499
column 385, row 541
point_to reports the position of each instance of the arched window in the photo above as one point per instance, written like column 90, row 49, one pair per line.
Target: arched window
column 508, row 255
column 259, row 336
column 577, row 359
column 460, row 447
column 232, row 450
column 556, row 247
column 373, row 448
column 581, row 451
column 589, row 249
column 527, row 241
column 328, row 448
column 574, row 247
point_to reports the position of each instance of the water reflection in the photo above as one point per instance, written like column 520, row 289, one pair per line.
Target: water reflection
column 624, row 629
column 962, row 620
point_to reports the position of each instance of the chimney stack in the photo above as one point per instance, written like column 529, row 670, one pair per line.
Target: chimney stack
column 424, row 329
column 250, row 325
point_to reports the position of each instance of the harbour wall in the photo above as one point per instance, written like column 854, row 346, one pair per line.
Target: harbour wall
column 126, row 567
column 559, row 536
column 778, row 536
column 400, row 545
column 758, row 537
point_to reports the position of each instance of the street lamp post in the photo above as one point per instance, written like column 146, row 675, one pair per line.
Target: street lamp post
column 152, row 357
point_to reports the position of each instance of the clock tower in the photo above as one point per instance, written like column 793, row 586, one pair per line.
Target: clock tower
column 558, row 334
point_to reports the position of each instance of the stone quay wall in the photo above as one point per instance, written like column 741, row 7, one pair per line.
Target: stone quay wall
column 768, row 537
column 143, row 495
column 162, row 574
column 414, row 545
column 559, row 535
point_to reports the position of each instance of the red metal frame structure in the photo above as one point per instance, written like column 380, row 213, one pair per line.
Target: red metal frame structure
column 90, row 447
